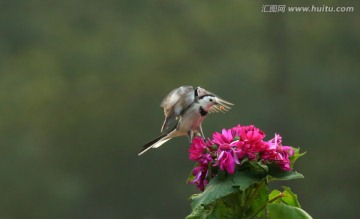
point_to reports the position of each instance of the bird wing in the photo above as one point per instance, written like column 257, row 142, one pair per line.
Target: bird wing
column 176, row 101
column 181, row 96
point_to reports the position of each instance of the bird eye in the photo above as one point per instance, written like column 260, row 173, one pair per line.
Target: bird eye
column 210, row 100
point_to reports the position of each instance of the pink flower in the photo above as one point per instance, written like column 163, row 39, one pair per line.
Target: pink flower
column 235, row 131
column 197, row 153
column 200, row 174
column 226, row 162
column 228, row 149
column 205, row 160
column 284, row 153
column 251, row 141
column 225, row 137
column 278, row 153
column 275, row 142
column 197, row 148
column 251, row 134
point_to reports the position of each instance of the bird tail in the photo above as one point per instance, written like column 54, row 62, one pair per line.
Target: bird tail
column 164, row 126
column 157, row 142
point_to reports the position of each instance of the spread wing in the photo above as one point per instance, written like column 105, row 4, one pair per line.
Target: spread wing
column 224, row 105
column 177, row 100
column 181, row 98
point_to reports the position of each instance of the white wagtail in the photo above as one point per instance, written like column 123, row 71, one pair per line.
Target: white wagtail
column 188, row 107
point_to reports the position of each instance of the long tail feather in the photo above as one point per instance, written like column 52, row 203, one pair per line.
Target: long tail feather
column 165, row 125
column 157, row 142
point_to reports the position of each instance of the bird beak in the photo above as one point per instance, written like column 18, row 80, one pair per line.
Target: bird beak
column 217, row 102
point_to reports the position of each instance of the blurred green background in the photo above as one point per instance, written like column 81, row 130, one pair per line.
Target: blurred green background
column 81, row 83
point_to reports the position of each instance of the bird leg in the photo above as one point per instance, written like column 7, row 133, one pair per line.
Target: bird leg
column 201, row 132
column 190, row 134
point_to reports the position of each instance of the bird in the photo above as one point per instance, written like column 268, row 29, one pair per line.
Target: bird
column 186, row 108
column 181, row 98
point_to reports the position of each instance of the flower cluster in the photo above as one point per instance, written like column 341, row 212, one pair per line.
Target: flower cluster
column 233, row 146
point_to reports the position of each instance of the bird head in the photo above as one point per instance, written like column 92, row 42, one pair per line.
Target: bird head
column 208, row 100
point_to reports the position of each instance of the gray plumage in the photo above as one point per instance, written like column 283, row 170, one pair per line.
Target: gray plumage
column 181, row 98
column 185, row 108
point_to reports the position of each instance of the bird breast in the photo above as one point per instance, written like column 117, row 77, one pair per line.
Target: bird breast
column 191, row 120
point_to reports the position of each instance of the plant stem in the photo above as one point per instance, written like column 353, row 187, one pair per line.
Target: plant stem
column 276, row 197
column 254, row 194
column 264, row 206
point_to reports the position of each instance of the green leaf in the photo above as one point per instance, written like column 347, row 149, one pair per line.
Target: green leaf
column 198, row 213
column 295, row 156
column 213, row 211
column 281, row 211
column 290, row 198
column 275, row 173
column 217, row 188
column 287, row 197
column 273, row 194
column 191, row 177
column 221, row 186
column 220, row 210
column 257, row 168
column 244, row 180
column 260, row 199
